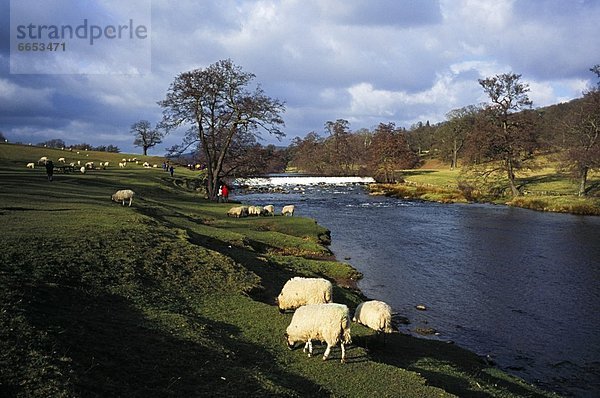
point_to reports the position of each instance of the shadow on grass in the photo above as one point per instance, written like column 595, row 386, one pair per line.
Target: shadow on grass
column 254, row 260
column 102, row 346
column 415, row 354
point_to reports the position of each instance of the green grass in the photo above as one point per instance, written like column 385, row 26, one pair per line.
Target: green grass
column 546, row 188
column 170, row 297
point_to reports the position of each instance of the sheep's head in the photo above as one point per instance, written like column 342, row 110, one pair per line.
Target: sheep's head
column 289, row 341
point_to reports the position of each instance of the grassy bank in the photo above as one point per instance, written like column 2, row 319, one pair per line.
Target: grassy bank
column 544, row 189
column 170, row 297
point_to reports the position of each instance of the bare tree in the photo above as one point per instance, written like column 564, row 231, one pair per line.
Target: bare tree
column 217, row 106
column 508, row 137
column 388, row 152
column 146, row 136
column 451, row 136
column 582, row 136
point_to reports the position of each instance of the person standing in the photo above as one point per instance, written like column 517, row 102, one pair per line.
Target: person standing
column 171, row 170
column 225, row 192
column 50, row 169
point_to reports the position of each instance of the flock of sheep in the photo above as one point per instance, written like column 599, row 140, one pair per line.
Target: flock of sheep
column 90, row 165
column 316, row 317
column 269, row 210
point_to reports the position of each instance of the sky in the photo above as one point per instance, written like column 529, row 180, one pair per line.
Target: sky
column 368, row 62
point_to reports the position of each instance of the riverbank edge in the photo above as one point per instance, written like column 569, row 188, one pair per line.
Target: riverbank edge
column 552, row 204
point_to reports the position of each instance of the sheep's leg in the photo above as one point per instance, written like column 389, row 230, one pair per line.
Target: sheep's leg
column 130, row 200
column 343, row 353
column 308, row 346
column 327, row 351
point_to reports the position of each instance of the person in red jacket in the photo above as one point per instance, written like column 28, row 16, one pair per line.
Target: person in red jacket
column 225, row 192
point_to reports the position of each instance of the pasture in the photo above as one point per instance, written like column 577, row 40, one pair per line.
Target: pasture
column 169, row 297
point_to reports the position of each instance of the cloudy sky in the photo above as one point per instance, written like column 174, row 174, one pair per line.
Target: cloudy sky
column 371, row 61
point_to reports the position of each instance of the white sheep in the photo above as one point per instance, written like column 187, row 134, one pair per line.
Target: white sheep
column 146, row 165
column 122, row 164
column 289, row 209
column 72, row 164
column 123, row 195
column 375, row 315
column 82, row 169
column 324, row 322
column 254, row 210
column 269, row 210
column 42, row 160
column 238, row 211
column 300, row 291
column 62, row 160
column 31, row 165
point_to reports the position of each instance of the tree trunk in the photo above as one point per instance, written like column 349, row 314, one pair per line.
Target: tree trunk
column 511, row 177
column 454, row 156
column 145, row 150
column 583, row 180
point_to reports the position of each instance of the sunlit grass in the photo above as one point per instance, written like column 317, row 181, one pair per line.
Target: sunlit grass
column 170, row 297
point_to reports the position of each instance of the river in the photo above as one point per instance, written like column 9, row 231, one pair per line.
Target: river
column 519, row 286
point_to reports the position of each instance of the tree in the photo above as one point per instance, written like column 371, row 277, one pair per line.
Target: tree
column 451, row 136
column 388, row 152
column 582, row 136
column 2, row 137
column 146, row 136
column 339, row 147
column 217, row 106
column 507, row 136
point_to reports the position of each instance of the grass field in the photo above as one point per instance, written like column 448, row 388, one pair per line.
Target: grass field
column 170, row 298
column 544, row 188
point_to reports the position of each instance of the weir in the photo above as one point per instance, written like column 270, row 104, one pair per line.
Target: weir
column 301, row 180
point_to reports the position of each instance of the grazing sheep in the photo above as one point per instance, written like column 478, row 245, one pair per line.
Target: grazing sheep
column 300, row 291
column 269, row 210
column 146, row 165
column 89, row 165
column 289, row 209
column 31, row 165
column 124, row 160
column 375, row 315
column 122, row 165
column 254, row 210
column 123, row 195
column 82, row 169
column 62, row 160
column 238, row 211
column 79, row 163
column 72, row 164
column 324, row 322
column 42, row 160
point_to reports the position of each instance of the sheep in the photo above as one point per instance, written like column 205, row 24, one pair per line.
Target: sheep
column 146, row 165
column 375, row 315
column 238, row 211
column 89, row 165
column 269, row 210
column 289, row 209
column 62, row 160
column 42, row 160
column 31, row 165
column 123, row 195
column 72, row 164
column 254, row 210
column 300, row 291
column 122, row 165
column 324, row 322
column 82, row 169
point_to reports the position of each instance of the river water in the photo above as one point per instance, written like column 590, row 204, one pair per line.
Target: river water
column 519, row 286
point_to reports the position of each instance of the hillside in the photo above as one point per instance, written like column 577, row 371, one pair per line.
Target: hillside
column 169, row 297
